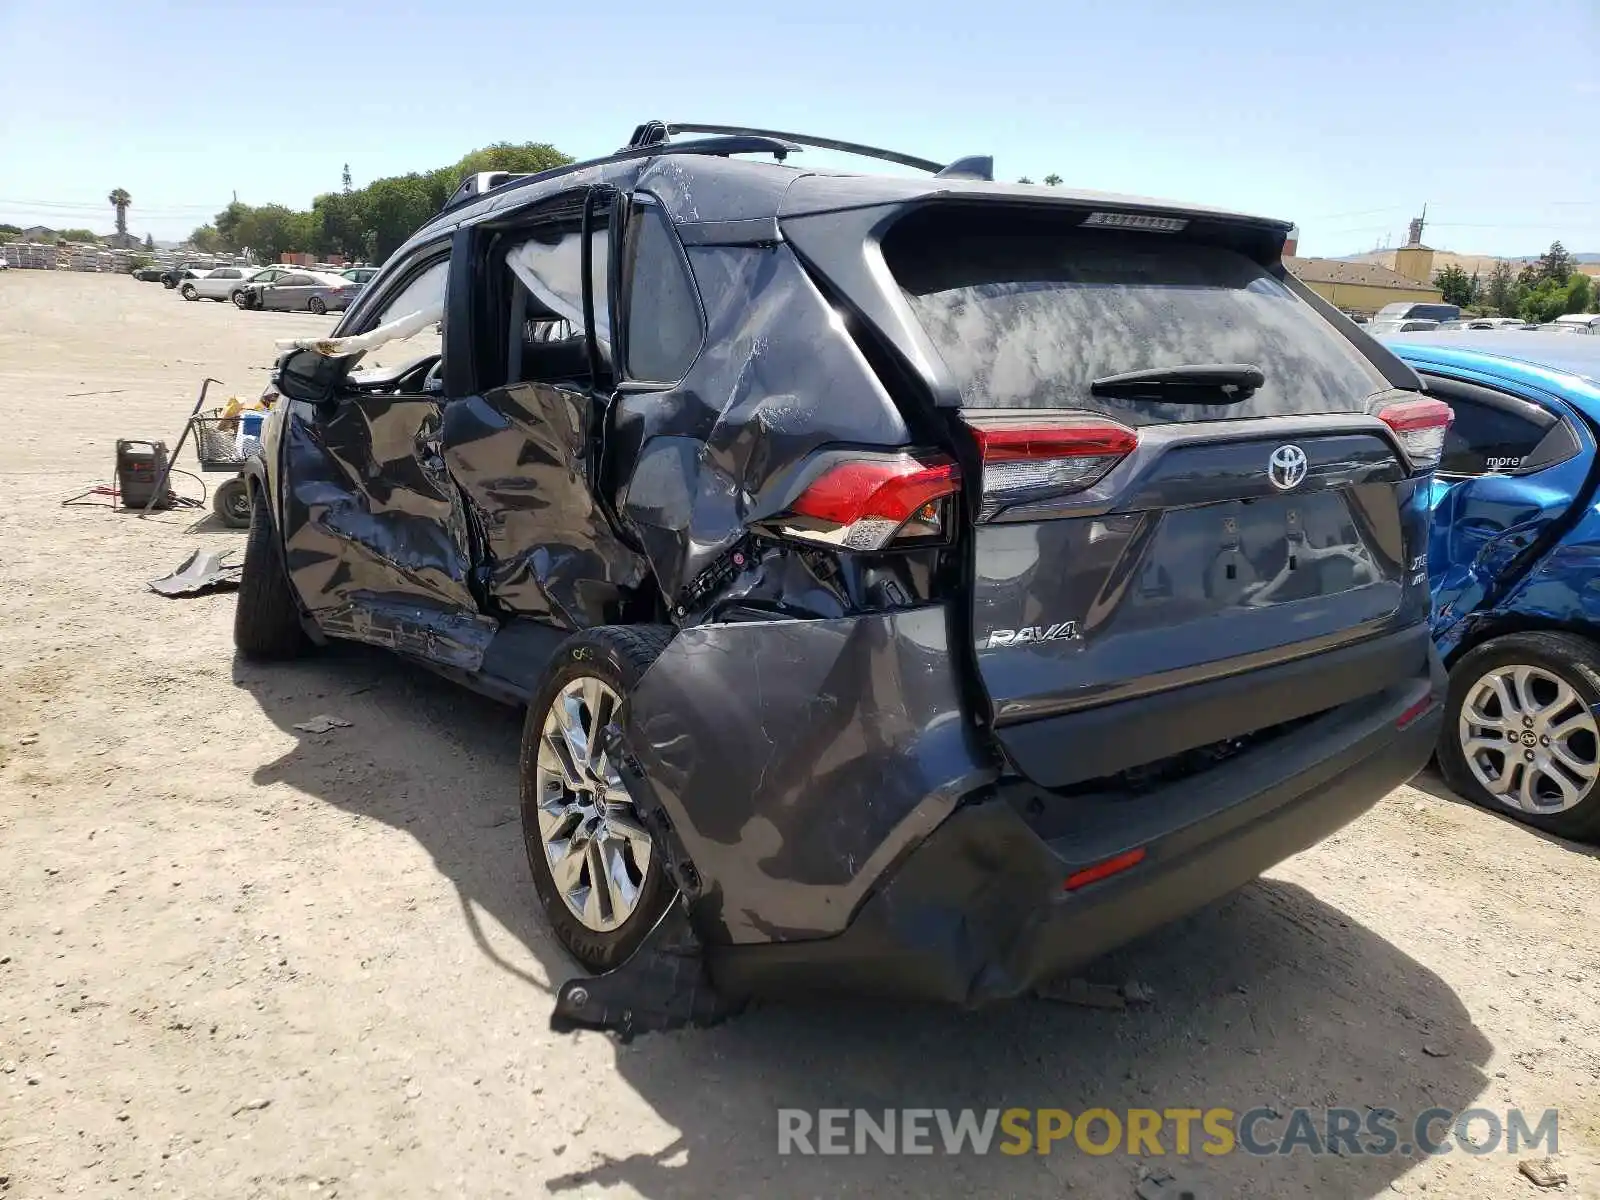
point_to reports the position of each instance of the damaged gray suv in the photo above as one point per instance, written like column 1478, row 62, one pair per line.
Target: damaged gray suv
column 915, row 585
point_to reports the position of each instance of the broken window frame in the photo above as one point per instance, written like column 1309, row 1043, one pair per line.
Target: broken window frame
column 502, row 292
column 372, row 331
column 641, row 208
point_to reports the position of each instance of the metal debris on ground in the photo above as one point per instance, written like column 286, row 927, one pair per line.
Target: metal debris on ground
column 1161, row 1183
column 1542, row 1172
column 1095, row 995
column 202, row 571
column 322, row 723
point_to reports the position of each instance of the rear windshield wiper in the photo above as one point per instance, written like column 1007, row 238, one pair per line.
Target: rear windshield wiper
column 1229, row 382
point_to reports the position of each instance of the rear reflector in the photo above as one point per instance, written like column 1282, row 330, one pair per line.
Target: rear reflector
column 863, row 504
column 1102, row 870
column 1419, row 709
column 1420, row 426
column 1031, row 458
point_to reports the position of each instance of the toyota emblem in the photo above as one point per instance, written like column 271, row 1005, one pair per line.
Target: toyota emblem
column 1287, row 467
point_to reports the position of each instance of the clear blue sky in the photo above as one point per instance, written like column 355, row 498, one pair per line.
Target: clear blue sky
column 1344, row 115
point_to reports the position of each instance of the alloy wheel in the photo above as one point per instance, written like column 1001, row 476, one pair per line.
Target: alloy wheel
column 1529, row 738
column 598, row 850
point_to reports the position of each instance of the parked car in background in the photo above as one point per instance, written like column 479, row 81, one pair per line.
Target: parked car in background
column 1404, row 325
column 1495, row 323
column 293, row 289
column 1514, row 564
column 358, row 274
column 151, row 274
column 1578, row 322
column 189, row 269
column 931, row 652
column 1402, row 310
column 217, row 284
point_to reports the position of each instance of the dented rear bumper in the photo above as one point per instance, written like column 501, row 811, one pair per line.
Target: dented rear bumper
column 850, row 830
column 799, row 760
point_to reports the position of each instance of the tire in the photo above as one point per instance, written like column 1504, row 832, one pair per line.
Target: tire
column 599, row 927
column 315, row 305
column 169, row 284
column 231, row 503
column 1542, row 704
column 266, row 623
column 242, row 301
column 188, row 292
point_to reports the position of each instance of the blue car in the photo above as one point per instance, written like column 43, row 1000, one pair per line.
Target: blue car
column 1514, row 566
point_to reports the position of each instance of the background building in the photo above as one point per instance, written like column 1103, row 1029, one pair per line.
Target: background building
column 1365, row 287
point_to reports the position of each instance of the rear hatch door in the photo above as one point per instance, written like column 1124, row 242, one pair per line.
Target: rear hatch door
column 1185, row 474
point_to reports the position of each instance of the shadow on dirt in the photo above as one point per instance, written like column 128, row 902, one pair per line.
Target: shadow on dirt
column 1433, row 783
column 1272, row 998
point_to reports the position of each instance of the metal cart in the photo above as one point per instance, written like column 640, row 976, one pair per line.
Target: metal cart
column 219, row 447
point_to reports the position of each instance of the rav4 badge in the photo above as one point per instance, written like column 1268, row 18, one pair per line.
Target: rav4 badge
column 1060, row 632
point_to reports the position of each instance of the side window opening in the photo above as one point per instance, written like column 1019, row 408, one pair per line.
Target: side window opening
column 408, row 325
column 1493, row 432
column 664, row 330
column 541, row 286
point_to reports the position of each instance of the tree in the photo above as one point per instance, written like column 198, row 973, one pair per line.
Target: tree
column 369, row 222
column 1545, row 302
column 205, row 240
column 227, row 222
column 120, row 200
column 1024, row 179
column 149, row 242
column 1555, row 263
column 525, row 159
column 77, row 235
column 1456, row 285
column 1580, row 293
column 270, row 230
column 1053, row 180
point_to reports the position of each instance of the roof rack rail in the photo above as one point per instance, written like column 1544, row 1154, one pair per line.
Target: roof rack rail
column 656, row 132
column 652, row 138
column 473, row 186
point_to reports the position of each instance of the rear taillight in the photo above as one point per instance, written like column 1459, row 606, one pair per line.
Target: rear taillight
column 1032, row 458
column 867, row 503
column 1420, row 425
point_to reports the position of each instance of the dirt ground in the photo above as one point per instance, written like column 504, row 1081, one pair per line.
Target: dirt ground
column 238, row 960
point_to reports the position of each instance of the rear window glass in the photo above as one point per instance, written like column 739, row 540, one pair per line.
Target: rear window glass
column 1030, row 318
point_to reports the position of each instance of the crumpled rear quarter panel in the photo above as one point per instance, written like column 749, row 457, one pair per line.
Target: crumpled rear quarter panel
column 779, row 378
column 800, row 759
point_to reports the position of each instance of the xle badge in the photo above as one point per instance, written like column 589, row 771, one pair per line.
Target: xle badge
column 1061, row 632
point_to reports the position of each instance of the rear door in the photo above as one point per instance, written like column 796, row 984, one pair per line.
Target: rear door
column 1515, row 465
column 1187, row 522
column 525, row 445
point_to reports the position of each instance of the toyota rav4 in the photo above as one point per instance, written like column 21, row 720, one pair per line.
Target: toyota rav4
column 917, row 585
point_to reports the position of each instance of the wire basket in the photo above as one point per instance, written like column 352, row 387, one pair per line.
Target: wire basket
column 219, row 443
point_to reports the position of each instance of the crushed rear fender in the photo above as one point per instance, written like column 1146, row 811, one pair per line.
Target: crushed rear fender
column 799, row 760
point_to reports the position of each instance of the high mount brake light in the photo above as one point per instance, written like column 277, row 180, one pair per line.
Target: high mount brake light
column 1420, row 425
column 867, row 503
column 1036, row 458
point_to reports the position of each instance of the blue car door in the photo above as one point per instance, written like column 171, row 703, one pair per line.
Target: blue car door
column 1517, row 463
